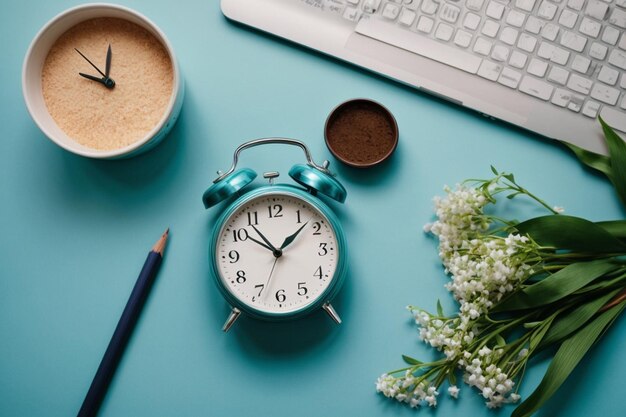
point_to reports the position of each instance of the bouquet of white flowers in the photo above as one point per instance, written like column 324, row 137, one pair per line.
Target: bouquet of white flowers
column 552, row 281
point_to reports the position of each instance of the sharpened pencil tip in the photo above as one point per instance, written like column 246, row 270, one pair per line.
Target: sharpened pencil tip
column 159, row 247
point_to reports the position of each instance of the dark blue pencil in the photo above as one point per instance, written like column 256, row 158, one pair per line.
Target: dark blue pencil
column 124, row 329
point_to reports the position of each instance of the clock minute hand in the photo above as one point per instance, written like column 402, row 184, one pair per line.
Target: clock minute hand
column 107, row 69
column 289, row 239
column 277, row 252
column 260, row 243
column 92, row 64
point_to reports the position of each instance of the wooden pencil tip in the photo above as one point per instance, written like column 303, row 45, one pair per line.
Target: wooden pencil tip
column 159, row 247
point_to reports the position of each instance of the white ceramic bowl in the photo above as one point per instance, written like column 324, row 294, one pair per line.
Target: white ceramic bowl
column 33, row 66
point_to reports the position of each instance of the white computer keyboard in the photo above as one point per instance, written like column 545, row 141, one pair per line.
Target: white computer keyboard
column 571, row 53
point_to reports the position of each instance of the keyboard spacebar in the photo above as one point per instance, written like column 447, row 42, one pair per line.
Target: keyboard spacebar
column 421, row 45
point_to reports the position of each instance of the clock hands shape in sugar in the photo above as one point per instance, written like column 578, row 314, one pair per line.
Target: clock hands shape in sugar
column 289, row 239
column 105, row 80
column 277, row 252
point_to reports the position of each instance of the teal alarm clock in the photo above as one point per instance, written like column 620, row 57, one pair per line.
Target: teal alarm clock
column 277, row 251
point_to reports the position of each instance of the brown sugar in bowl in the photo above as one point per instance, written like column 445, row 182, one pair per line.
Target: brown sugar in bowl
column 361, row 133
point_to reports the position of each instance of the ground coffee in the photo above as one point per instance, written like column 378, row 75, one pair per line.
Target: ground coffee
column 361, row 133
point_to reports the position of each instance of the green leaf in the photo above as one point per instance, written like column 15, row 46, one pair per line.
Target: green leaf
column 617, row 228
column 439, row 309
column 593, row 160
column 500, row 340
column 411, row 361
column 538, row 335
column 513, row 195
column 617, row 153
column 495, row 171
column 569, row 232
column 567, row 323
column 558, row 285
column 510, row 177
column 567, row 357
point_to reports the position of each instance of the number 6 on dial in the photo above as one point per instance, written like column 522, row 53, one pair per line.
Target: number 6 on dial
column 278, row 251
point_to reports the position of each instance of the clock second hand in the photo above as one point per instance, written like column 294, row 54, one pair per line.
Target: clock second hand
column 270, row 275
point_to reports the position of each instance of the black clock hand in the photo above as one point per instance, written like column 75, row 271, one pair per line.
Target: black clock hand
column 91, row 77
column 260, row 243
column 277, row 252
column 92, row 64
column 105, row 80
column 292, row 237
column 107, row 69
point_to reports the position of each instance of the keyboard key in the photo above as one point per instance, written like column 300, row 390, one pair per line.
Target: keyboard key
column 622, row 82
column 508, row 35
column 490, row 28
column 579, row 84
column 608, row 75
column 471, row 21
column 576, row 4
column 623, row 103
column 550, row 31
column 545, row 50
column 537, row 67
column 618, row 58
column 614, row 118
column 621, row 3
column 449, row 13
column 568, row 18
column 526, row 5
column 533, row 25
column 575, row 103
column 604, row 94
column 558, row 75
column 475, row 5
column 509, row 78
column 482, row 46
column 515, row 18
column 351, row 13
column 391, row 11
column 489, row 70
column 500, row 53
column 407, row 17
column 463, row 38
column 590, row 109
column 596, row 9
column 526, row 43
column 547, row 10
column 559, row 56
column 618, row 18
column 418, row 44
column 581, row 64
column 622, row 43
column 495, row 10
column 536, row 88
column 425, row 24
column 429, row 7
column 573, row 41
column 518, row 60
column 610, row 35
column 371, row 6
column 597, row 51
column 590, row 27
column 561, row 97
column 444, row 32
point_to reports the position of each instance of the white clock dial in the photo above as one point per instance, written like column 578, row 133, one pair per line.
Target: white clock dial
column 261, row 274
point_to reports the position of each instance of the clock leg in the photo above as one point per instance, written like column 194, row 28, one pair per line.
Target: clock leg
column 328, row 308
column 232, row 318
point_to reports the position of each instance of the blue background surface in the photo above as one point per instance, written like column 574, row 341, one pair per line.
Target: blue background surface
column 75, row 232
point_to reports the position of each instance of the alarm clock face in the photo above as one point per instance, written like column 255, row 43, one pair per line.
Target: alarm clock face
column 277, row 253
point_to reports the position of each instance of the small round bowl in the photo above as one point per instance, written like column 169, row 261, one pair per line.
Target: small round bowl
column 32, row 84
column 374, row 131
